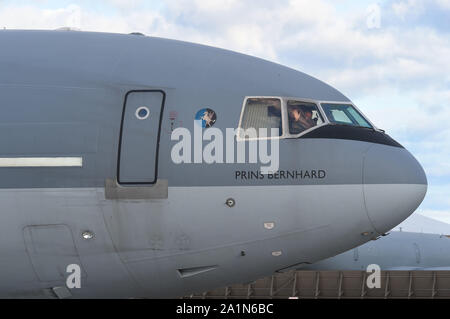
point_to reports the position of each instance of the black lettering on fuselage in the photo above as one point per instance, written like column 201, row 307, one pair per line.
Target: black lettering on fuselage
column 281, row 174
column 322, row 174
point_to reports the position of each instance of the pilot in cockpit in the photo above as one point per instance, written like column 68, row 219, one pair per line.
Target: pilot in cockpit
column 300, row 119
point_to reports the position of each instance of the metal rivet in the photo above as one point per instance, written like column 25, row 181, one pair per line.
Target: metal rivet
column 87, row 235
column 277, row 253
column 269, row 226
column 230, row 202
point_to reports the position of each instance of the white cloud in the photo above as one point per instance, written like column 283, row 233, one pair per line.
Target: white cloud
column 125, row 4
column 31, row 17
column 208, row 7
column 403, row 8
column 445, row 4
column 415, row 7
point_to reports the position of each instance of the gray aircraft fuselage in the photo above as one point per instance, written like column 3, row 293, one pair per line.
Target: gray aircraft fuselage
column 88, row 180
column 404, row 251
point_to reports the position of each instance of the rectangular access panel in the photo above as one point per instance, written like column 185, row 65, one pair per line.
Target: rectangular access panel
column 139, row 137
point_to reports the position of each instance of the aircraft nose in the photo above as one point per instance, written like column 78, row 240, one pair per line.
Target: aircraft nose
column 394, row 185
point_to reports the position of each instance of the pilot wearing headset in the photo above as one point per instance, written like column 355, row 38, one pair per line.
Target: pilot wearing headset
column 300, row 119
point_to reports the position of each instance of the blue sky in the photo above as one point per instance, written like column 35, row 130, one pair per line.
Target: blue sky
column 397, row 71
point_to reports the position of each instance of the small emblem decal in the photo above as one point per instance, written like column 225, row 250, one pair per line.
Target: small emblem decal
column 207, row 116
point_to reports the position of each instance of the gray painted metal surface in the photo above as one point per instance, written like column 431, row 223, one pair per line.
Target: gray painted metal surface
column 75, row 107
column 63, row 95
column 114, row 190
column 396, row 251
column 139, row 139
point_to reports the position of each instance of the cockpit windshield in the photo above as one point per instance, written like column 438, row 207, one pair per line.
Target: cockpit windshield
column 288, row 117
column 344, row 114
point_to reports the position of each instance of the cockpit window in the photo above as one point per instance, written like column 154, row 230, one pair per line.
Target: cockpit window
column 302, row 116
column 344, row 114
column 262, row 113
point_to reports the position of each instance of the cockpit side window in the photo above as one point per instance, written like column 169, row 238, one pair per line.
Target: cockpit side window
column 302, row 116
column 344, row 114
column 262, row 113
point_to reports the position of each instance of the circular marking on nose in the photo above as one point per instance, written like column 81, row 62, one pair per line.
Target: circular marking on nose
column 142, row 112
